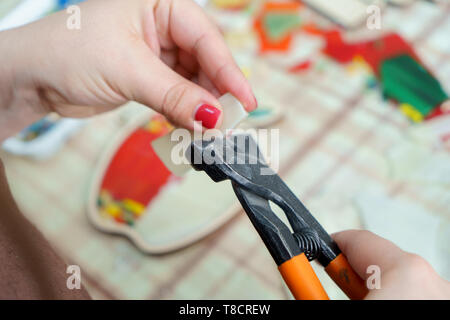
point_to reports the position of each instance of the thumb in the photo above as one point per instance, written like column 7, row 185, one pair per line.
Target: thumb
column 181, row 101
column 364, row 248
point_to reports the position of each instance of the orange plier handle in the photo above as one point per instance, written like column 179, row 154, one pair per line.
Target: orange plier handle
column 305, row 285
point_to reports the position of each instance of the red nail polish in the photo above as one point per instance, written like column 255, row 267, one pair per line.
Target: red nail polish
column 207, row 115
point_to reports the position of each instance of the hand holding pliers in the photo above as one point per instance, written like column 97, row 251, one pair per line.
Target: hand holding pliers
column 237, row 158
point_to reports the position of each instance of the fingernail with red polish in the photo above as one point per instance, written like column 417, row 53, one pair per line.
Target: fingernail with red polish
column 207, row 115
column 256, row 102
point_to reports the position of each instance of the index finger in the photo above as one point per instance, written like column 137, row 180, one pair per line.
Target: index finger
column 192, row 31
column 363, row 248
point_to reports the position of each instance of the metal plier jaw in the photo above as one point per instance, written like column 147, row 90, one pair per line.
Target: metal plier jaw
column 237, row 158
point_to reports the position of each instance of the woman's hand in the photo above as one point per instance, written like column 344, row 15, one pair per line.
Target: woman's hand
column 403, row 275
column 165, row 54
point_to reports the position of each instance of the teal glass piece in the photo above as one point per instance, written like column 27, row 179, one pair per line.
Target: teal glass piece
column 278, row 25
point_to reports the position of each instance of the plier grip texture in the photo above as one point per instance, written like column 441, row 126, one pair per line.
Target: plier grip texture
column 237, row 158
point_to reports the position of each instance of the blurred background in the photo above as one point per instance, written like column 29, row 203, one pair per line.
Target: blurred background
column 364, row 143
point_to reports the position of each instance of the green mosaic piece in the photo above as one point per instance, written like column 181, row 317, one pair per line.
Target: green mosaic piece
column 406, row 81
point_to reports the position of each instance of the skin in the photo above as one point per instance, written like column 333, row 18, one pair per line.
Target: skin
column 403, row 275
column 140, row 50
column 145, row 51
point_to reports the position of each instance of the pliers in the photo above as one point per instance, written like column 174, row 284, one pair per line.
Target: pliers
column 237, row 158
